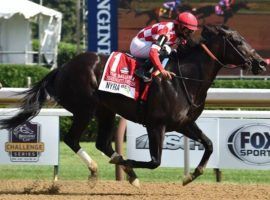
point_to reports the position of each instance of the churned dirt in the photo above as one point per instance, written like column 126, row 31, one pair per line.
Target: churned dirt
column 110, row 190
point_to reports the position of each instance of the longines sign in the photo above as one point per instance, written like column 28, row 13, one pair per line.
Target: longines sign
column 102, row 26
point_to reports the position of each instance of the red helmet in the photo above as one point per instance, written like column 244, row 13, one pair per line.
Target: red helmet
column 187, row 20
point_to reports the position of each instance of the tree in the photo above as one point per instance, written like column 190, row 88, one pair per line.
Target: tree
column 68, row 9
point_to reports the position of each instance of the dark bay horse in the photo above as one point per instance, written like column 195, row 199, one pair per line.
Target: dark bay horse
column 154, row 15
column 206, row 11
column 172, row 105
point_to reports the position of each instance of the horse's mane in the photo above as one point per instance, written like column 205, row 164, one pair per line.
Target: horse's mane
column 188, row 49
column 194, row 44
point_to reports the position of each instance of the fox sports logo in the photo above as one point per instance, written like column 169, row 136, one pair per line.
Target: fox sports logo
column 251, row 144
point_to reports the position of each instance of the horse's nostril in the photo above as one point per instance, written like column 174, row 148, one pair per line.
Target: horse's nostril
column 249, row 63
column 263, row 65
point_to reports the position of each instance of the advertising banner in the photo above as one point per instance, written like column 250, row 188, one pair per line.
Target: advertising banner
column 237, row 144
column 32, row 143
column 102, row 26
column 173, row 146
column 244, row 144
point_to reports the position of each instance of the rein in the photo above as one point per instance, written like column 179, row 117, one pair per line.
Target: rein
column 211, row 54
column 207, row 50
column 193, row 105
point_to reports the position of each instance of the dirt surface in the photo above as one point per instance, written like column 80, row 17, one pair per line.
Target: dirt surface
column 110, row 190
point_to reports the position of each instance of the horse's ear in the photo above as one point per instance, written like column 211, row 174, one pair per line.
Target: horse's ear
column 225, row 30
column 208, row 30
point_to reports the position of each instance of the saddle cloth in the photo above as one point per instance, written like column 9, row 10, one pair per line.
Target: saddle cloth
column 118, row 76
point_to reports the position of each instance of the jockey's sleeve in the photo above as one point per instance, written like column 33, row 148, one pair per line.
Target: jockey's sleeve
column 154, row 51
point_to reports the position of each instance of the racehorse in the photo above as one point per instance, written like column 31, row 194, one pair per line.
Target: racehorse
column 157, row 13
column 206, row 11
column 172, row 105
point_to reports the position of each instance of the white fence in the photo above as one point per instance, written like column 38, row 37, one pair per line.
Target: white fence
column 215, row 97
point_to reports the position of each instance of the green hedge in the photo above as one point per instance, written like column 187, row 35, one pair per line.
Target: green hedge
column 66, row 51
column 262, row 84
column 16, row 75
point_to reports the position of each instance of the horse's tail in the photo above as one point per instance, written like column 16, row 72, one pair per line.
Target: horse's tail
column 32, row 102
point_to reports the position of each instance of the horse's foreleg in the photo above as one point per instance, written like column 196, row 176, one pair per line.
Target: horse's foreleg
column 156, row 137
column 119, row 160
column 195, row 133
column 80, row 122
column 104, row 142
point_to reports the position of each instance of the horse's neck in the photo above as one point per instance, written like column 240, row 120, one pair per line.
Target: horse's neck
column 200, row 67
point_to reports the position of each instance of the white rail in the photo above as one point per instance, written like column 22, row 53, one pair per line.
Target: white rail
column 43, row 112
column 215, row 97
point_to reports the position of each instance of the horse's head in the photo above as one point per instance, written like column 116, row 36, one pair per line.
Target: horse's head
column 233, row 48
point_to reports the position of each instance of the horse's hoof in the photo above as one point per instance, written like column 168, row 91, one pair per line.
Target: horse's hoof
column 135, row 182
column 92, row 180
column 187, row 179
column 116, row 159
column 93, row 177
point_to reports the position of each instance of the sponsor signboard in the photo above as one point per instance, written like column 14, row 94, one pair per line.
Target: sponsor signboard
column 173, row 146
column 102, row 26
column 245, row 143
column 237, row 144
column 35, row 142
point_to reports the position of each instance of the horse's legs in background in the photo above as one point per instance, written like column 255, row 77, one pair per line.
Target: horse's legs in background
column 80, row 122
column 105, row 135
column 105, row 120
column 156, row 137
column 225, row 18
column 195, row 133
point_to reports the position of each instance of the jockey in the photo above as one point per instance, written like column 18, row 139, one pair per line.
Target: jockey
column 150, row 40
column 172, row 6
column 223, row 5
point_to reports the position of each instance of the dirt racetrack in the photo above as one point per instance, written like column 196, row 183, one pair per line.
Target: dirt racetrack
column 110, row 190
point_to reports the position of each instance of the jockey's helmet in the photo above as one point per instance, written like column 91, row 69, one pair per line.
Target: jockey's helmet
column 187, row 20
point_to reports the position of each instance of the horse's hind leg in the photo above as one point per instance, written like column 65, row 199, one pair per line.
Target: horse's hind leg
column 80, row 122
column 105, row 135
column 195, row 133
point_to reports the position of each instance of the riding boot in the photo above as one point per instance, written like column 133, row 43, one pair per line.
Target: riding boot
column 144, row 71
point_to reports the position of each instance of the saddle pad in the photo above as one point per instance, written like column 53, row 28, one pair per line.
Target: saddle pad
column 118, row 76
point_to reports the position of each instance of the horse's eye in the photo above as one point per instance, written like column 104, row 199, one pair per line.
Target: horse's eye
column 236, row 41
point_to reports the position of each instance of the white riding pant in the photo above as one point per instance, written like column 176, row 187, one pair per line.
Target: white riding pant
column 140, row 48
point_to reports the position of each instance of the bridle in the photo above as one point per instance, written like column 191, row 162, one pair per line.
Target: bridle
column 225, row 39
column 247, row 61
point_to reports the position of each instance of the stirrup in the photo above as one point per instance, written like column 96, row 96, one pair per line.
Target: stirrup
column 141, row 74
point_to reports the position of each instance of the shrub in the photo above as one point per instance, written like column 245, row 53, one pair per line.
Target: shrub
column 241, row 84
column 66, row 51
column 16, row 75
